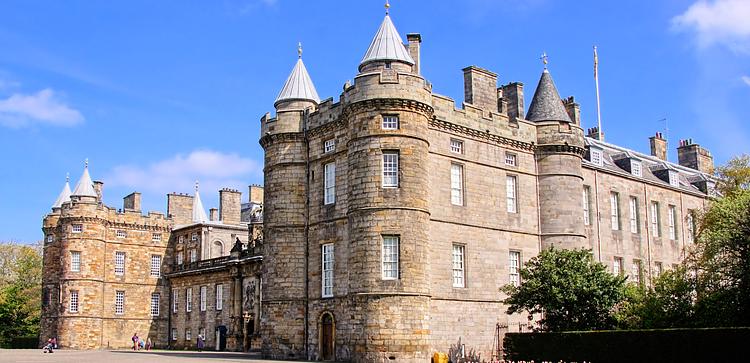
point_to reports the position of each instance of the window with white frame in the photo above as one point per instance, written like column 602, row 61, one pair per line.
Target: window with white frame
column 636, row 273
column 596, row 156
column 203, row 298
column 189, row 299
column 617, row 266
column 457, row 184
column 457, row 146
column 329, row 145
column 390, row 122
column 510, row 159
column 614, row 203
column 155, row 304
column 634, row 217
column 658, row 268
column 155, row 265
column 174, row 333
column 50, row 238
column 121, row 234
column 155, row 237
column 510, row 193
column 655, row 219
column 179, row 257
column 514, row 268
column 194, row 236
column 75, row 261
column 119, row 263
column 181, row 239
column 327, row 267
column 175, row 300
column 459, row 275
column 119, row 302
column 193, row 255
column 674, row 179
column 672, row 218
column 390, row 169
column 329, row 182
column 73, row 301
column 586, row 205
column 219, row 297
column 188, row 335
column 690, row 230
column 76, row 228
column 635, row 168
column 390, row 257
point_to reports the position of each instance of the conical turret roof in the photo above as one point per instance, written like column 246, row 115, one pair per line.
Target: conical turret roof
column 547, row 105
column 387, row 46
column 199, row 214
column 85, row 187
column 64, row 195
column 299, row 85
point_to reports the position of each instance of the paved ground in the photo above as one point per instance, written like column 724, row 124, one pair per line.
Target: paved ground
column 129, row 356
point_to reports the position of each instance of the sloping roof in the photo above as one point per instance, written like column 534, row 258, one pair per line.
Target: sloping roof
column 547, row 105
column 64, row 195
column 85, row 187
column 387, row 45
column 199, row 214
column 298, row 86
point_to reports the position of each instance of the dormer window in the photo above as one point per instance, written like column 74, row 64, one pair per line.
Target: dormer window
column 596, row 156
column 674, row 179
column 636, row 168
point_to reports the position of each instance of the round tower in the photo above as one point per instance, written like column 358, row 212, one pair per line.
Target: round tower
column 559, row 151
column 387, row 112
column 284, row 218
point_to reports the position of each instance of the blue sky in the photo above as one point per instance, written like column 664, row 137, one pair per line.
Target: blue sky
column 158, row 94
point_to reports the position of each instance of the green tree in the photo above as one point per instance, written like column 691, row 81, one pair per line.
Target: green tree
column 20, row 291
column 569, row 289
column 668, row 304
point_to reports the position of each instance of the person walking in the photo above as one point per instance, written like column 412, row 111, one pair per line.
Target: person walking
column 200, row 342
column 135, row 341
column 148, row 343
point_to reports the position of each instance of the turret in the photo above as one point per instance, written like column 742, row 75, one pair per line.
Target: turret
column 64, row 196
column 559, row 151
column 387, row 50
column 84, row 191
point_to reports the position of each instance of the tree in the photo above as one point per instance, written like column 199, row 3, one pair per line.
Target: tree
column 20, row 291
column 668, row 304
column 570, row 289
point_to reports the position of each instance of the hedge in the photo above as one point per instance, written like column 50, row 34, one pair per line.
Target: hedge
column 661, row 345
column 21, row 343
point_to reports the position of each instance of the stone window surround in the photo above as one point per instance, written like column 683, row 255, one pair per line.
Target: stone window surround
column 75, row 261
column 155, row 266
column 390, row 254
column 586, row 205
column 327, row 265
column 76, row 228
column 329, row 183
column 121, row 233
column 219, row 297
column 511, row 159
column 511, row 193
column 458, row 259
column 617, row 266
column 635, row 218
column 73, row 302
column 189, row 299
column 120, row 263
column 203, row 296
column 155, row 300
column 457, row 184
column 119, row 302
column 614, row 206
column 456, row 146
column 390, row 122
column 329, row 145
column 390, row 169
column 514, row 267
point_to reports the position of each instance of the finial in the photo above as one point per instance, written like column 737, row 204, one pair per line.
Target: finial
column 299, row 49
column 196, row 185
column 387, row 6
column 544, row 59
column 67, row 177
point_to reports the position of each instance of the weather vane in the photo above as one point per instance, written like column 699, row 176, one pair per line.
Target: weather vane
column 86, row 162
column 299, row 49
column 196, row 185
column 387, row 5
column 545, row 59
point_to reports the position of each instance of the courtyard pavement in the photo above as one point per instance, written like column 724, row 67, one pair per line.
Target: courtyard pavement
column 129, row 356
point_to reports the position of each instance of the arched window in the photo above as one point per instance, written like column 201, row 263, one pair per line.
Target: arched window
column 217, row 249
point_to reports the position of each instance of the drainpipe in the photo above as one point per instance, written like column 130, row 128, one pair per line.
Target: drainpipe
column 307, row 232
column 598, row 224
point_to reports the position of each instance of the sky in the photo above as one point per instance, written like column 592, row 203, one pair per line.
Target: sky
column 158, row 94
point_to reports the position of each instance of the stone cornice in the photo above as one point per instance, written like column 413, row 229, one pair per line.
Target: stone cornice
column 281, row 137
column 557, row 148
column 377, row 104
column 497, row 139
column 339, row 123
column 115, row 224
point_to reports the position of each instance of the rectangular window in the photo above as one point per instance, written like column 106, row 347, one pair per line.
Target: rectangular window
column 330, row 183
column 188, row 335
column 635, row 224
column 586, row 205
column 179, row 257
column 655, row 219
column 390, row 122
column 390, row 169
column 155, row 237
column 155, row 265
column 77, row 228
column 175, row 300
column 119, row 263
column 617, row 266
column 457, row 184
column 73, row 301
column 614, row 203
column 155, row 304
column 189, row 299
column 659, row 268
column 193, row 255
column 457, row 146
column 672, row 216
column 459, row 276
column 194, row 237
column 121, row 234
column 596, row 156
column 674, row 179
column 329, row 145
column 390, row 257
column 690, row 237
column 510, row 192
column 637, row 276
column 635, row 168
column 50, row 238
column 174, row 333
column 514, row 266
column 203, row 298
column 119, row 302
column 181, row 239
column 75, row 261
column 327, row 266
column 510, row 159
column 219, row 297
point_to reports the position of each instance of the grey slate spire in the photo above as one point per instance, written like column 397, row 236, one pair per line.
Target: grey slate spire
column 64, row 194
column 547, row 105
column 85, row 187
column 199, row 214
column 387, row 46
column 298, row 86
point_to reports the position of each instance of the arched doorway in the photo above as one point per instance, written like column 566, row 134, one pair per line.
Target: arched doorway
column 326, row 330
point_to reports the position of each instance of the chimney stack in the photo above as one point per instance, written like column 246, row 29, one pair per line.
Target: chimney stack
column 415, row 41
column 658, row 146
column 594, row 133
column 256, row 194
column 694, row 156
column 132, row 202
column 98, row 187
column 480, row 88
column 513, row 94
column 180, row 208
column 213, row 214
column 574, row 110
column 230, row 207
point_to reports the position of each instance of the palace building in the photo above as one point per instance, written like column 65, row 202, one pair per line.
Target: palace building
column 388, row 222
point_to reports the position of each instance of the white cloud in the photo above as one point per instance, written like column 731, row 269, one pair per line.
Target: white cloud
column 213, row 169
column 725, row 22
column 43, row 107
column 746, row 79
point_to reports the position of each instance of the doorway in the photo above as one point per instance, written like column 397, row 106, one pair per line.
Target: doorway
column 221, row 337
column 326, row 333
